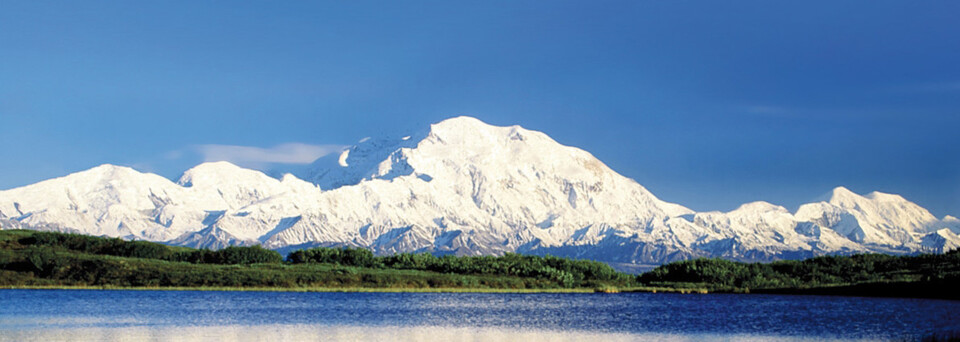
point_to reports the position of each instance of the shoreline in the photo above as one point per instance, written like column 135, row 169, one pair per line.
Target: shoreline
column 838, row 291
column 350, row 289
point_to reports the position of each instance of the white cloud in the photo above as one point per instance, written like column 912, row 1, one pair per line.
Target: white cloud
column 292, row 153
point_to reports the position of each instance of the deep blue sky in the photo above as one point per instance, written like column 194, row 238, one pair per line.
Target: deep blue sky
column 708, row 104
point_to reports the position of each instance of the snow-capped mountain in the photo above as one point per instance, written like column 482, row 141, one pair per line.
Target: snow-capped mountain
column 468, row 188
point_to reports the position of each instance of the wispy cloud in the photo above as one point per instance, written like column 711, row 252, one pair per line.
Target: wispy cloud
column 291, row 153
column 283, row 157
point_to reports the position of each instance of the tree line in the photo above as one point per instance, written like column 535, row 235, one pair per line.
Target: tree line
column 38, row 252
column 150, row 250
column 59, row 258
column 813, row 272
column 566, row 272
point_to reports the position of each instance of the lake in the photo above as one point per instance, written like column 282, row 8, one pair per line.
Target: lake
column 212, row 315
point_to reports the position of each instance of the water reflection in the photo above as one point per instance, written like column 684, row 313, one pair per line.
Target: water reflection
column 346, row 333
column 199, row 315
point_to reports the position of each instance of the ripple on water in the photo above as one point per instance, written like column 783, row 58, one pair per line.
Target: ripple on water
column 203, row 315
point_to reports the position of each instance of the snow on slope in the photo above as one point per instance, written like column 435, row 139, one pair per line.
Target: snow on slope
column 875, row 219
column 470, row 188
column 121, row 202
column 462, row 187
column 763, row 231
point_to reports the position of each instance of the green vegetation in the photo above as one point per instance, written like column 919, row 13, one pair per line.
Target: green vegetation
column 55, row 260
column 44, row 259
column 564, row 272
column 928, row 275
column 149, row 250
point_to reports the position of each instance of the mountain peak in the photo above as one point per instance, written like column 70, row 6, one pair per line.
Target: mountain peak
column 211, row 173
column 759, row 206
column 216, row 166
column 840, row 196
column 102, row 173
column 469, row 131
column 465, row 124
column 842, row 191
column 466, row 187
column 106, row 169
column 885, row 197
column 461, row 121
column 463, row 141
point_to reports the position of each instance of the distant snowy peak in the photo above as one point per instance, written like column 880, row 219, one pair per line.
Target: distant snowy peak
column 86, row 189
column 891, row 210
column 459, row 139
column 213, row 174
column 104, row 200
column 940, row 241
column 354, row 164
column 466, row 150
column 462, row 187
column 231, row 185
column 759, row 207
column 876, row 218
column 951, row 223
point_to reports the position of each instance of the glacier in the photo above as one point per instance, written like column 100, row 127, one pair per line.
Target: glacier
column 463, row 187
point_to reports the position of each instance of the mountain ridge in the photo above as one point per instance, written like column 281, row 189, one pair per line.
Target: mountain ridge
column 466, row 188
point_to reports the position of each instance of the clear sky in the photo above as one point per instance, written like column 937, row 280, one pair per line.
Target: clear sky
column 706, row 103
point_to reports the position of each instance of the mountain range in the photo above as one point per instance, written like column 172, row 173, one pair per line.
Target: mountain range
column 467, row 188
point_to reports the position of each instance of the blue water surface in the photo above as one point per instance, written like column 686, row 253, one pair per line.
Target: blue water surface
column 629, row 313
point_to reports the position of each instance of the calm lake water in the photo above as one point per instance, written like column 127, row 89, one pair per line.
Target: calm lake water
column 200, row 315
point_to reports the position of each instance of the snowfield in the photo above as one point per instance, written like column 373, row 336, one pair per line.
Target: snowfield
column 466, row 188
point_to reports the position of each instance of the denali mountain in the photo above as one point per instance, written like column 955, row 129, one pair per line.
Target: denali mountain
column 467, row 188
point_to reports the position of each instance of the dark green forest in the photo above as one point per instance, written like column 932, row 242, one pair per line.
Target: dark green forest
column 48, row 259
column 565, row 272
column 151, row 250
column 30, row 258
column 925, row 275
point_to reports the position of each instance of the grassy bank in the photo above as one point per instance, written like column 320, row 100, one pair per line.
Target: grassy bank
column 301, row 289
column 362, row 289
column 48, row 260
column 43, row 260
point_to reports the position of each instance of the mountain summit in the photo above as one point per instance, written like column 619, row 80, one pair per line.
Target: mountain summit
column 468, row 188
